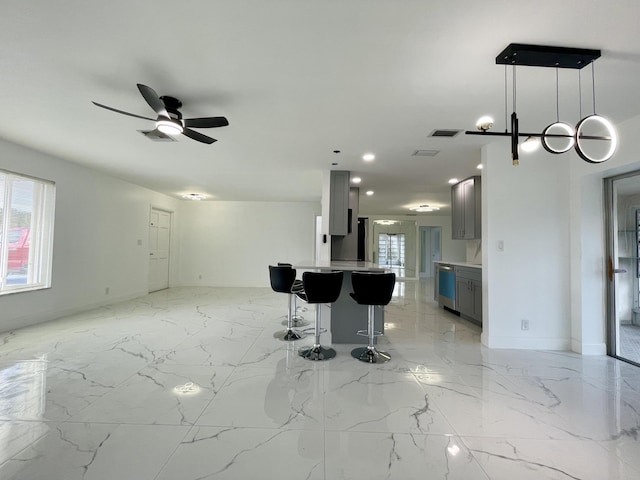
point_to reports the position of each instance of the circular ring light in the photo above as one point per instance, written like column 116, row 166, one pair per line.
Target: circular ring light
column 613, row 138
column 566, row 129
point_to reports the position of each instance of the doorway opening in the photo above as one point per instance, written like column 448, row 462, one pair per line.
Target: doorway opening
column 159, row 249
column 430, row 250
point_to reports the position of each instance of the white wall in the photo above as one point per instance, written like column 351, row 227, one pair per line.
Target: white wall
column 527, row 208
column 98, row 222
column 231, row 244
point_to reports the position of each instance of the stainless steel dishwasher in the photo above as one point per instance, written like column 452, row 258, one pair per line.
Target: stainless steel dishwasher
column 447, row 286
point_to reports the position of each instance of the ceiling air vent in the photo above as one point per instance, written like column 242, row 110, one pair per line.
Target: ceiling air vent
column 157, row 136
column 444, row 133
column 425, row 153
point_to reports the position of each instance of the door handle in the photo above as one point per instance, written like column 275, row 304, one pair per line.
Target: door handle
column 612, row 270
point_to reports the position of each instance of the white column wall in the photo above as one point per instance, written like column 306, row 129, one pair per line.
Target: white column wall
column 231, row 244
column 98, row 223
column 527, row 208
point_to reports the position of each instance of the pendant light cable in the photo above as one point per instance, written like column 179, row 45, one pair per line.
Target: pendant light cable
column 514, row 87
column 506, row 124
column 593, row 86
column 580, row 93
column 557, row 98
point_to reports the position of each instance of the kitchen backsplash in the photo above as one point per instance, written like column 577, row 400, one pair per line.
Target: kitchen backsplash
column 474, row 251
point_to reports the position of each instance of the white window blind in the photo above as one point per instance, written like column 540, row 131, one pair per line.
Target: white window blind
column 26, row 232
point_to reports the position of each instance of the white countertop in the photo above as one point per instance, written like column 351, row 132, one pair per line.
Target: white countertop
column 346, row 265
column 459, row 264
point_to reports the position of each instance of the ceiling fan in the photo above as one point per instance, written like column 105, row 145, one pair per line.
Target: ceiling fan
column 170, row 121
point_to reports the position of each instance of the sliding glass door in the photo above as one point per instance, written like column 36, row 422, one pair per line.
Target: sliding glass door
column 623, row 266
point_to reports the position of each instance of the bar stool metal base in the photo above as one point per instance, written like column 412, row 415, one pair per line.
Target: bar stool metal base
column 317, row 352
column 297, row 321
column 289, row 335
column 370, row 355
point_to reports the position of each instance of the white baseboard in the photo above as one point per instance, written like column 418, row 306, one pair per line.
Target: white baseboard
column 520, row 343
column 588, row 348
column 49, row 315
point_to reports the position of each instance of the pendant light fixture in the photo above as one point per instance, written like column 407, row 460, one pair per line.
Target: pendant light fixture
column 592, row 127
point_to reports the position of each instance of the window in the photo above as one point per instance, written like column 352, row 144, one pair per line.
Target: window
column 26, row 232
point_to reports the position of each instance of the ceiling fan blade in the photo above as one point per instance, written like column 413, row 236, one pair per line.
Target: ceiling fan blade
column 152, row 98
column 198, row 136
column 122, row 112
column 207, row 122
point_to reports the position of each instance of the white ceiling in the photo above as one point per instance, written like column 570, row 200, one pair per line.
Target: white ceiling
column 298, row 79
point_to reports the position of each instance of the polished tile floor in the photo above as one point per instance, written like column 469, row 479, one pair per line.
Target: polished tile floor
column 189, row 383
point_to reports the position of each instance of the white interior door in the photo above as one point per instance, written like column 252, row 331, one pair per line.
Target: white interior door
column 159, row 236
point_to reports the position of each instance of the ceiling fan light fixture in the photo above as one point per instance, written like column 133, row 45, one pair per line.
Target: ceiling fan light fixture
column 169, row 127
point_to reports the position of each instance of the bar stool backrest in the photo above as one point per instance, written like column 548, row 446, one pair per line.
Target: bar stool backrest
column 282, row 278
column 322, row 287
column 373, row 288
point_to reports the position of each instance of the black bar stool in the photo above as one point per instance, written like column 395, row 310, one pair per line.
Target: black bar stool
column 296, row 320
column 372, row 289
column 320, row 287
column 283, row 279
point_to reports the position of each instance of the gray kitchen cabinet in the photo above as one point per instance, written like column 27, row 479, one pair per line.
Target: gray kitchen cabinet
column 339, row 202
column 469, row 293
column 466, row 207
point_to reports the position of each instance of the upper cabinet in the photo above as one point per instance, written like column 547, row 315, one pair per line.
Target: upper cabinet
column 339, row 203
column 466, row 209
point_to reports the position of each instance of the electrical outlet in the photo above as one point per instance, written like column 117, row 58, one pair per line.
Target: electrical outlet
column 524, row 324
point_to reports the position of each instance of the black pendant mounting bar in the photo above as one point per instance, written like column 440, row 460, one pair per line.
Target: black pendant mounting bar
column 546, row 56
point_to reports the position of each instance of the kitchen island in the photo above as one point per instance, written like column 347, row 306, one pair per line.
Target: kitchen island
column 345, row 317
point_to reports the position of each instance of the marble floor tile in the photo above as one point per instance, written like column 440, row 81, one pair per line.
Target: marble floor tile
column 357, row 455
column 84, row 451
column 247, row 453
column 259, row 397
column 191, row 383
column 528, row 459
column 158, row 394
column 380, row 401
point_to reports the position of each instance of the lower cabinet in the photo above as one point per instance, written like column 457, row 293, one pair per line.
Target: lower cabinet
column 469, row 293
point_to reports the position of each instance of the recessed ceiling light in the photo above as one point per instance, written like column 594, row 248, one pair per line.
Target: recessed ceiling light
column 356, row 180
column 193, row 196
column 369, row 192
column 479, row 167
column 453, row 180
column 368, row 157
